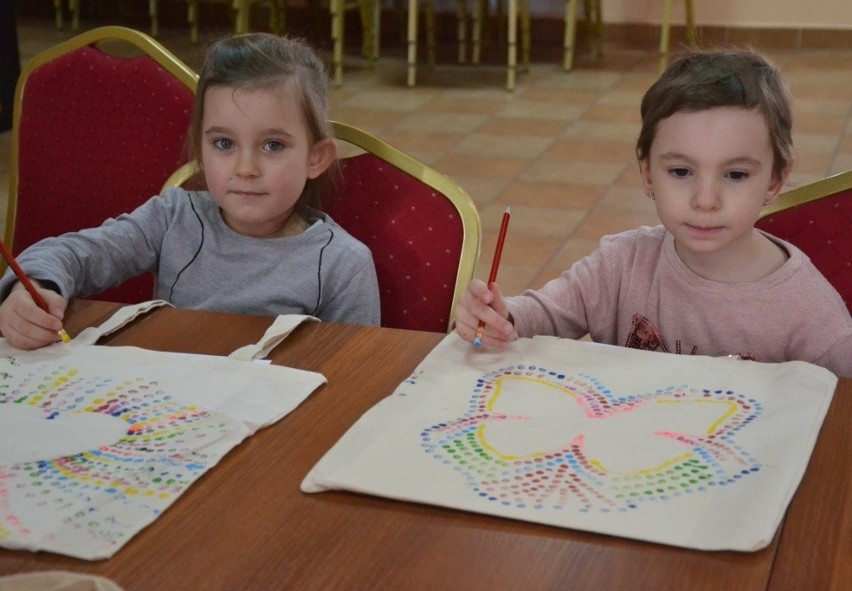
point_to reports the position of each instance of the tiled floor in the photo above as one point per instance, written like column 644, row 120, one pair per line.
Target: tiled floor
column 559, row 149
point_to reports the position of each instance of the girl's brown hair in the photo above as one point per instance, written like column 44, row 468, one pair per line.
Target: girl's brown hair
column 263, row 60
column 701, row 80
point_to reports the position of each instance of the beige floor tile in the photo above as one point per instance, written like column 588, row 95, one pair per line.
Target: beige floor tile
column 541, row 194
column 483, row 191
column 502, row 146
column 589, row 150
column 444, row 122
column 551, row 111
column 542, row 221
column 523, row 125
column 605, row 113
column 585, row 173
column 454, row 165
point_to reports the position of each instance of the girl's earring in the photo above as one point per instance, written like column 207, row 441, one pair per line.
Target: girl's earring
column 651, row 195
column 767, row 201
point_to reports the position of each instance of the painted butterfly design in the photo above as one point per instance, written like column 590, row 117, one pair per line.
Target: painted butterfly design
column 535, row 438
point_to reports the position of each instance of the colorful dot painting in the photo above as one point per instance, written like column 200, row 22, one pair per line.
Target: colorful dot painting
column 533, row 438
column 160, row 453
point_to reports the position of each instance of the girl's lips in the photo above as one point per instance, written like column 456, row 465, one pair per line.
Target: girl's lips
column 704, row 230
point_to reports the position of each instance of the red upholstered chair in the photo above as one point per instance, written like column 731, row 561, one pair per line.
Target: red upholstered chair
column 818, row 219
column 422, row 228
column 95, row 135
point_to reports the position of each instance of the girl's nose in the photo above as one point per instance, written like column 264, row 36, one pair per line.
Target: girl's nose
column 706, row 195
column 246, row 164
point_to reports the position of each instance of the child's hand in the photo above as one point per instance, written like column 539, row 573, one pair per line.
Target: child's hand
column 27, row 326
column 479, row 302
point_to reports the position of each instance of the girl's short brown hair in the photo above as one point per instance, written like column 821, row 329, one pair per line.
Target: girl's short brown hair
column 707, row 79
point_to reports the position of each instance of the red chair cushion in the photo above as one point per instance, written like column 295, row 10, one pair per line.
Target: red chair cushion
column 98, row 136
column 823, row 230
column 414, row 233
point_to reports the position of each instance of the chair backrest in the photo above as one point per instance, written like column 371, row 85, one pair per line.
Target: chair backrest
column 818, row 219
column 422, row 228
column 95, row 135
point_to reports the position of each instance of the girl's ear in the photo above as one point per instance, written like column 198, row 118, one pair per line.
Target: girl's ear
column 645, row 171
column 776, row 186
column 322, row 155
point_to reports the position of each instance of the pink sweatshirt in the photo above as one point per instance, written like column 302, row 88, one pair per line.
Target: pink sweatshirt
column 635, row 291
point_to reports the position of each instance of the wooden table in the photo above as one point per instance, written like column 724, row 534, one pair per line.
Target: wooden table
column 246, row 525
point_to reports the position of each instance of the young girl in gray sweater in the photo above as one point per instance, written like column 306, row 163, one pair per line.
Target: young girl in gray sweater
column 254, row 241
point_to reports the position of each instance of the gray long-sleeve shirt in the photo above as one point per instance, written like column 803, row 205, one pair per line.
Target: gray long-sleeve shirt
column 199, row 262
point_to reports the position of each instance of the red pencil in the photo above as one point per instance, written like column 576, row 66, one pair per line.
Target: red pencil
column 495, row 264
column 25, row 281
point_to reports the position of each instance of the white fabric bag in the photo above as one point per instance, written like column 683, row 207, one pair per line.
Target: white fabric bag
column 698, row 452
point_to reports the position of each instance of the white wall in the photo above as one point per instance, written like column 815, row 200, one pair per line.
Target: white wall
column 789, row 14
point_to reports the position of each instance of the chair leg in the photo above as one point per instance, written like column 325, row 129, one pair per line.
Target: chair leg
column 192, row 19
column 461, row 20
column 57, row 6
column 525, row 33
column 598, row 28
column 369, row 10
column 242, row 16
column 277, row 16
column 412, row 42
column 480, row 13
column 152, row 12
column 512, row 44
column 690, row 24
column 570, row 34
column 74, row 5
column 336, row 8
column 664, row 28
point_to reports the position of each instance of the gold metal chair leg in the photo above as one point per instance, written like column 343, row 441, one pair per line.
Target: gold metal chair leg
column 525, row 33
column 412, row 42
column 74, row 5
column 155, row 21
column 461, row 20
column 480, row 13
column 570, row 34
column 336, row 8
column 596, row 22
column 690, row 24
column 664, row 27
column 512, row 43
column 192, row 19
column 57, row 6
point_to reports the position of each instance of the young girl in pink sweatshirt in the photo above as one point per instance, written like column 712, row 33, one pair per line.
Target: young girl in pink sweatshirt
column 714, row 149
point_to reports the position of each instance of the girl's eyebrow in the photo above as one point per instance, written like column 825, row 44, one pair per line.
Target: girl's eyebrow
column 268, row 131
column 737, row 160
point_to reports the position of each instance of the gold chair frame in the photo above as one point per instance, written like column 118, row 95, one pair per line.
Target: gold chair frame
column 458, row 197
column 810, row 192
column 137, row 39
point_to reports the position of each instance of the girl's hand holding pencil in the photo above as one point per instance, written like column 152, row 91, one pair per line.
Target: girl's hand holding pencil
column 25, row 324
column 482, row 309
column 483, row 305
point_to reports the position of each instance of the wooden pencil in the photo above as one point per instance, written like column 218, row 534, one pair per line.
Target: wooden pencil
column 495, row 264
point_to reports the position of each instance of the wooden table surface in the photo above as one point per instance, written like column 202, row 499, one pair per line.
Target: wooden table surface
column 246, row 525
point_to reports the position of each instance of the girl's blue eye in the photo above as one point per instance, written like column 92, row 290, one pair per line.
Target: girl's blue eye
column 274, row 146
column 738, row 175
column 223, row 144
